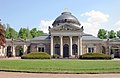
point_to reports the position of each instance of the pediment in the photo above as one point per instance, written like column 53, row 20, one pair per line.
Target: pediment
column 67, row 27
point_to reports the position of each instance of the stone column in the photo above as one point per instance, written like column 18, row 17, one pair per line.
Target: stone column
column 25, row 49
column 0, row 50
column 61, row 46
column 13, row 51
column 4, row 51
column 51, row 52
column 80, row 39
column 70, row 46
column 78, row 47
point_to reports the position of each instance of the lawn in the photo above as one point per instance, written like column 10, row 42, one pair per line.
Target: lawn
column 69, row 66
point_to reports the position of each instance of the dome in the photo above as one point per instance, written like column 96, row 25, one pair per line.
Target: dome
column 66, row 17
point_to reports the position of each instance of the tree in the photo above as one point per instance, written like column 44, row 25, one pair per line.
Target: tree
column 22, row 33
column 111, row 34
column 29, row 36
column 39, row 33
column 2, row 36
column 35, row 33
column 118, row 33
column 102, row 34
column 11, row 33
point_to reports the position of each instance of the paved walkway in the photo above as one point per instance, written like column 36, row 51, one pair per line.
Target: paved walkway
column 19, row 58
column 38, row 75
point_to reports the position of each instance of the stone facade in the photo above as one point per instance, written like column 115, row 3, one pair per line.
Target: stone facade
column 66, row 38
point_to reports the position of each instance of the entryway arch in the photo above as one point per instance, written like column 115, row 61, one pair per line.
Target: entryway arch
column 115, row 51
column 9, row 51
column 18, row 51
column 66, row 50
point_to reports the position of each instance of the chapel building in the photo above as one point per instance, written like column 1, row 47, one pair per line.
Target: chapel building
column 66, row 38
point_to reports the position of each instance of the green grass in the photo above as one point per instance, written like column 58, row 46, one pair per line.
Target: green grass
column 71, row 66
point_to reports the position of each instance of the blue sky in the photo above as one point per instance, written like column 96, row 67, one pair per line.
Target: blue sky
column 92, row 14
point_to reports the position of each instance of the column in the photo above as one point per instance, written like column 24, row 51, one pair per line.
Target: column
column 4, row 51
column 61, row 46
column 51, row 46
column 78, row 47
column 70, row 46
column 25, row 49
column 0, row 50
column 13, row 51
column 80, row 39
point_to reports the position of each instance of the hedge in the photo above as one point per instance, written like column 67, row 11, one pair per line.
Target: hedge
column 95, row 56
column 36, row 55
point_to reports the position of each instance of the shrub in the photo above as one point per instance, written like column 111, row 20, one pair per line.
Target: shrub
column 55, row 56
column 36, row 55
column 95, row 56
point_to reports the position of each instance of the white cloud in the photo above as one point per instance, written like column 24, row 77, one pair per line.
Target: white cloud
column 94, row 21
column 44, row 24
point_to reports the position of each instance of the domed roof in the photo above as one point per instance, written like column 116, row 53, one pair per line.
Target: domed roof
column 65, row 17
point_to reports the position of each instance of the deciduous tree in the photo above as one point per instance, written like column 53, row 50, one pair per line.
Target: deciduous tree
column 111, row 34
column 118, row 33
column 102, row 34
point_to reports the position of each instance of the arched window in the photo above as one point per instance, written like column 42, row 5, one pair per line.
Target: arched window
column 74, row 49
column 57, row 49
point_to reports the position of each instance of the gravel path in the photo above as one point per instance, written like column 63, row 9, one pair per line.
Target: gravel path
column 38, row 75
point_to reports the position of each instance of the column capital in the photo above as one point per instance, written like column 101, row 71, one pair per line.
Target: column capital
column 70, row 36
column 52, row 36
column 61, row 36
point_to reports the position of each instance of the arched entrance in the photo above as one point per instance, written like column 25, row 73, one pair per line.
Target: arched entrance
column 19, row 51
column 57, row 49
column 28, row 49
column 115, row 51
column 103, row 50
column 9, row 51
column 65, row 50
column 74, row 49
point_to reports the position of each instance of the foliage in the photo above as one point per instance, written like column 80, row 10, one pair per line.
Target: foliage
column 35, row 33
column 95, row 56
column 23, row 33
column 55, row 56
column 111, row 34
column 11, row 33
column 29, row 36
column 102, row 34
column 118, row 33
column 36, row 55
column 70, row 66
column 2, row 36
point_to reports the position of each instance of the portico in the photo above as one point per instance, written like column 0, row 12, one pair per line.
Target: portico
column 66, row 44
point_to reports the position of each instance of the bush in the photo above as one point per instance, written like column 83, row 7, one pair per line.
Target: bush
column 36, row 55
column 95, row 56
column 55, row 56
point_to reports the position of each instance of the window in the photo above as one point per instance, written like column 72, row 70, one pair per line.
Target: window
column 57, row 49
column 41, row 49
column 74, row 49
column 91, row 49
